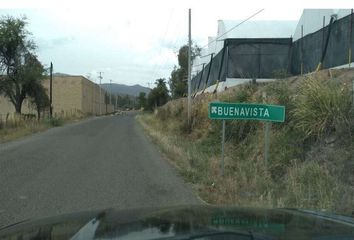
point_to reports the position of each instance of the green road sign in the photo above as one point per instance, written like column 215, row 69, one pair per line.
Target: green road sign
column 246, row 111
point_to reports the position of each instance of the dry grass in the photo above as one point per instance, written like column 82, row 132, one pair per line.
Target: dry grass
column 299, row 174
column 7, row 134
column 202, row 169
column 18, row 126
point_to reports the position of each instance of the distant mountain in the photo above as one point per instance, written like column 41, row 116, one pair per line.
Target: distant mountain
column 58, row 74
column 122, row 89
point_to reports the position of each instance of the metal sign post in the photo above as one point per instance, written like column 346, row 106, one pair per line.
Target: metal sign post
column 222, row 149
column 51, row 91
column 266, row 135
column 266, row 143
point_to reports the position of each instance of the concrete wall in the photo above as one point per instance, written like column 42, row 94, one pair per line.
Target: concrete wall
column 92, row 98
column 77, row 93
column 72, row 96
column 67, row 94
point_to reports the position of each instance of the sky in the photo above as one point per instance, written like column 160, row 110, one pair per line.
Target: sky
column 135, row 42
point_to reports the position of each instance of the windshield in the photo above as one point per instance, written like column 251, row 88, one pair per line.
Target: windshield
column 150, row 104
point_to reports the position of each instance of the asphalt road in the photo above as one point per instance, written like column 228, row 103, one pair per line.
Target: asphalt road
column 95, row 164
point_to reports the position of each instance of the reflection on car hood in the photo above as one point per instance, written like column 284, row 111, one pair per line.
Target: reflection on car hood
column 184, row 222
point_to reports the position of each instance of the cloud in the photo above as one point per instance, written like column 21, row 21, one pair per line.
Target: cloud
column 44, row 44
column 165, row 57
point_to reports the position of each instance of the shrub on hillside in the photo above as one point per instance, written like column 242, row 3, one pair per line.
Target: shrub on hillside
column 322, row 107
column 162, row 113
column 243, row 93
column 281, row 73
column 280, row 93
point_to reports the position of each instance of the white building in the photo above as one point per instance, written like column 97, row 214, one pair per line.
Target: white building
column 311, row 20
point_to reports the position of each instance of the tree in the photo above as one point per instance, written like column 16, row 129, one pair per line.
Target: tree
column 179, row 76
column 178, row 83
column 18, row 63
column 142, row 100
column 158, row 96
column 40, row 99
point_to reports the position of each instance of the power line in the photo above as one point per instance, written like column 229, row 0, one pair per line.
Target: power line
column 174, row 42
column 253, row 15
column 164, row 38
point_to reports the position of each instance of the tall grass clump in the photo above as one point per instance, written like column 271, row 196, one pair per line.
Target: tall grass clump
column 322, row 107
column 55, row 121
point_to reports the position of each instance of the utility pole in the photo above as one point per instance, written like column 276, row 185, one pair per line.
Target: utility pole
column 116, row 102
column 100, row 77
column 93, row 97
column 189, row 67
column 51, row 91
column 110, row 92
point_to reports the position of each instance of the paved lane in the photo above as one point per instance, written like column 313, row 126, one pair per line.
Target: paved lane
column 98, row 163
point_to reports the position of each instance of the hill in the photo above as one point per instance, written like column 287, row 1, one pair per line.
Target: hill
column 311, row 154
column 122, row 89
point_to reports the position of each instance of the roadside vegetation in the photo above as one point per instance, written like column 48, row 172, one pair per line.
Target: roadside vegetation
column 18, row 126
column 311, row 154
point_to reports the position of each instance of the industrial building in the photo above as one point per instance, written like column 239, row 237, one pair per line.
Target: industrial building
column 72, row 96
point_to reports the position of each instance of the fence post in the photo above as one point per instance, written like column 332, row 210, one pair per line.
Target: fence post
column 301, row 50
column 350, row 38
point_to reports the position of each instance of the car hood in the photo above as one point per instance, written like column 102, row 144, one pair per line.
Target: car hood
column 185, row 221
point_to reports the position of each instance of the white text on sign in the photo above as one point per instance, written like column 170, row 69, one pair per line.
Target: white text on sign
column 240, row 111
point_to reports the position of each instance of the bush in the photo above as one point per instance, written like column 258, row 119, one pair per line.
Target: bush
column 162, row 113
column 243, row 93
column 55, row 122
column 281, row 73
column 322, row 107
column 280, row 93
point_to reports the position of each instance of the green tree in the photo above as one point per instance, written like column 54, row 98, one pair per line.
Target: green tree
column 158, row 96
column 179, row 75
column 18, row 63
column 40, row 99
column 142, row 100
column 126, row 101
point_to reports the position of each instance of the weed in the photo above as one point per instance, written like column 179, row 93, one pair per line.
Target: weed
column 281, row 73
column 322, row 107
column 55, row 122
column 309, row 185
